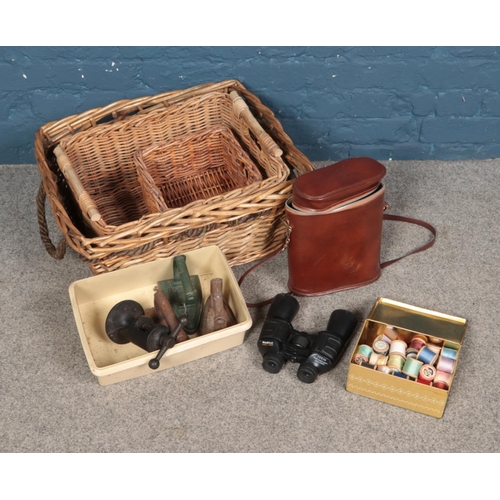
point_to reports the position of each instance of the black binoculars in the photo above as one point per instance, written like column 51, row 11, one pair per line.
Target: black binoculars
column 317, row 353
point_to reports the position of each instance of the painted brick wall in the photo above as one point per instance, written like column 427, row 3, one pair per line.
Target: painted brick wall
column 334, row 102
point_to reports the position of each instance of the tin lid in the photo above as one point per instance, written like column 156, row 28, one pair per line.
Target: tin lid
column 419, row 320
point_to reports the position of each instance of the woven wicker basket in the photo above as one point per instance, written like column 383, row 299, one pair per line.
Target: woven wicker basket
column 99, row 163
column 198, row 166
column 96, row 150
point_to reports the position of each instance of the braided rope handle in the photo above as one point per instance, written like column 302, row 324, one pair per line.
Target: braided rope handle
column 55, row 252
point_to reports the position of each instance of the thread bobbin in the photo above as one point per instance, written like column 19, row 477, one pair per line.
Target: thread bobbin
column 412, row 367
column 391, row 333
column 385, row 369
column 448, row 352
column 398, row 347
column 442, row 380
column 362, row 354
column 434, row 348
column 396, row 362
column 427, row 373
column 382, row 360
column 427, row 356
column 445, row 364
column 422, row 337
column 381, row 347
column 416, row 344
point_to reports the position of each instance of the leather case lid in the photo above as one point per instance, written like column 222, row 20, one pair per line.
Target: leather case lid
column 337, row 184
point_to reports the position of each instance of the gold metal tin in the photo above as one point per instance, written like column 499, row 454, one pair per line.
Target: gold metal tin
column 407, row 394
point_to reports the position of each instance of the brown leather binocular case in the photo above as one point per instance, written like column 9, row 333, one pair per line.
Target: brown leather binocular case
column 334, row 219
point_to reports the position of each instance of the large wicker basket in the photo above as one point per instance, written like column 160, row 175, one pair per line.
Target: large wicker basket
column 96, row 149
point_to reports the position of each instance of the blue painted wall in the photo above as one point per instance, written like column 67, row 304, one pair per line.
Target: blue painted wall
column 334, row 102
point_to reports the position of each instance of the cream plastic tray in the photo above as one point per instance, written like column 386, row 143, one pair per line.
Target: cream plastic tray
column 92, row 298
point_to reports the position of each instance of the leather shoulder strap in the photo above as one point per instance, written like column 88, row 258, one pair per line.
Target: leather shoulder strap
column 418, row 222
column 259, row 263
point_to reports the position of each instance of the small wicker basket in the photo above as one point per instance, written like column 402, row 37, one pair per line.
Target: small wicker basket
column 90, row 179
column 198, row 166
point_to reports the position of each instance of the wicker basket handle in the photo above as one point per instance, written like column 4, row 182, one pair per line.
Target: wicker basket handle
column 56, row 252
column 241, row 108
column 84, row 200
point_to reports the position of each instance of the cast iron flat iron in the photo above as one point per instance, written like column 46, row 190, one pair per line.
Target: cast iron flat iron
column 216, row 313
column 184, row 294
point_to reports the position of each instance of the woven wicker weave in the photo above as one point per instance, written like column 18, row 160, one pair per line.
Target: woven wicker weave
column 102, row 143
column 194, row 167
column 99, row 163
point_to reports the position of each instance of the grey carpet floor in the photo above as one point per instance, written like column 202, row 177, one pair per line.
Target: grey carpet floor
column 51, row 402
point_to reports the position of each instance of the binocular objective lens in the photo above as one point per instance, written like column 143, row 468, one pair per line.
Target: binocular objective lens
column 273, row 362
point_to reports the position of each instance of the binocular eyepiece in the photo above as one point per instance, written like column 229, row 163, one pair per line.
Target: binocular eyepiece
column 317, row 353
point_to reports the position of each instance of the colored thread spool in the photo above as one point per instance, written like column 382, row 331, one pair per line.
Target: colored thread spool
column 368, row 365
column 381, row 347
column 446, row 364
column 441, row 385
column 448, row 352
column 416, row 343
column 373, row 360
column 384, row 369
column 423, row 381
column 362, row 354
column 391, row 332
column 442, row 380
column 434, row 348
column 383, row 337
column 427, row 373
column 427, row 356
column 421, row 337
column 412, row 367
column 396, row 362
column 398, row 347
column 382, row 360
column 400, row 375
column 435, row 340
